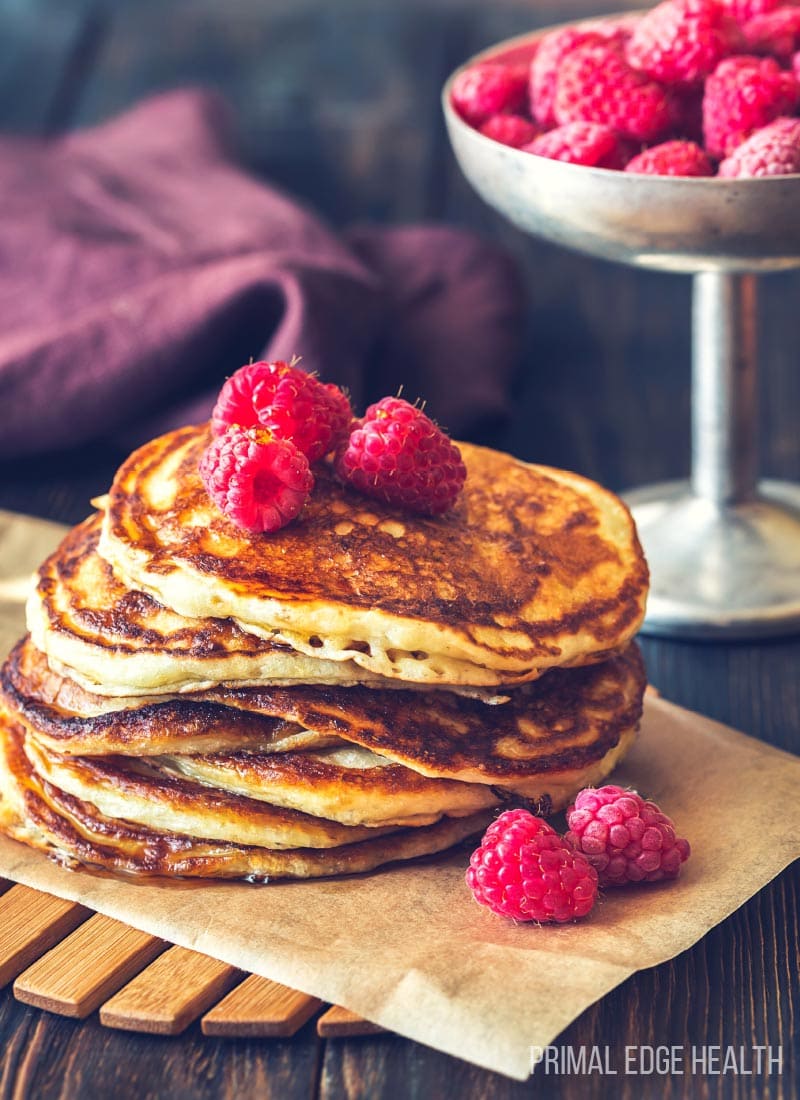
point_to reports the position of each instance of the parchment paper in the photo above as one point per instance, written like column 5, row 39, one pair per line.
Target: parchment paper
column 408, row 948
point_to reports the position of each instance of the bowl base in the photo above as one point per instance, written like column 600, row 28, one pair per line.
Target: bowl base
column 720, row 572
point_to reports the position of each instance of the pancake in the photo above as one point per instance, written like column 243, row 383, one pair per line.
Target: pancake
column 76, row 833
column 108, row 643
column 42, row 701
column 533, row 568
column 130, row 789
column 555, row 735
column 119, row 642
column 565, row 731
column 346, row 783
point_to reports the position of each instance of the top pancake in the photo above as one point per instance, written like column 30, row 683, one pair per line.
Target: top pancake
column 532, row 568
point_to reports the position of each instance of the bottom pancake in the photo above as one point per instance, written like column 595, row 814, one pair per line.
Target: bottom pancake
column 76, row 833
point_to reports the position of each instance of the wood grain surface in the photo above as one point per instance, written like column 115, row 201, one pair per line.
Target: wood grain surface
column 339, row 104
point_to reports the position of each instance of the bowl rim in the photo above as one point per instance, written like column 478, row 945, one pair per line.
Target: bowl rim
column 640, row 179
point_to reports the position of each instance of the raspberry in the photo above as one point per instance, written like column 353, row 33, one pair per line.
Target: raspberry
column 743, row 10
column 511, row 130
column 489, row 89
column 288, row 402
column 672, row 158
column 682, row 41
column 776, row 32
column 772, row 151
column 587, row 143
column 595, row 84
column 524, row 870
column 258, row 481
column 553, row 48
column 625, row 838
column 742, row 95
column 397, row 454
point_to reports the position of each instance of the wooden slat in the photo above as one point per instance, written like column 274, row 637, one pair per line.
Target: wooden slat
column 259, row 1007
column 172, row 992
column 87, row 967
column 341, row 1023
column 31, row 923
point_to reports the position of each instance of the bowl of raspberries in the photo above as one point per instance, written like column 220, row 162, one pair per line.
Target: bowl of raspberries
column 668, row 138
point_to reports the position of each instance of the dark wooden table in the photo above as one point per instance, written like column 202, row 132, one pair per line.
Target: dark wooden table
column 331, row 92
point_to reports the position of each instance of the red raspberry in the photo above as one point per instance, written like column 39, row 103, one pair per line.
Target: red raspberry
column 796, row 65
column 595, row 84
column 587, row 143
column 489, row 89
column 682, row 41
column 772, row 151
column 524, row 870
column 742, row 95
column 511, row 130
column 743, row 10
column 397, row 454
column 625, row 838
column 258, row 481
column 672, row 158
column 776, row 32
column 553, row 48
column 288, row 402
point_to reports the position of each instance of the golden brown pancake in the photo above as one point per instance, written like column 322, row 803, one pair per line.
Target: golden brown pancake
column 532, row 568
column 43, row 701
column 133, row 790
column 117, row 642
column 76, row 833
column 564, row 731
column 345, row 783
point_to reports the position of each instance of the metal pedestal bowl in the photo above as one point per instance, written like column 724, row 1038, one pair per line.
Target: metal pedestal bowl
column 724, row 547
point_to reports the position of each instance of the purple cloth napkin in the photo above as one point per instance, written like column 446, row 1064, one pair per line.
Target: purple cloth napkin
column 137, row 258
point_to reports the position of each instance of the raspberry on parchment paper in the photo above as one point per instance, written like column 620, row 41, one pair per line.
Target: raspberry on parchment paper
column 625, row 838
column 524, row 870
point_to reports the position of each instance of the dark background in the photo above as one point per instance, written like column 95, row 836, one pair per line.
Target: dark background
column 338, row 102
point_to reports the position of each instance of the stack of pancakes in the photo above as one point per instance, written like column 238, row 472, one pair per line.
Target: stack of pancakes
column 362, row 686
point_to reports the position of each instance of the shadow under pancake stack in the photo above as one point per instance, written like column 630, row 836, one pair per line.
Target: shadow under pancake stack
column 359, row 687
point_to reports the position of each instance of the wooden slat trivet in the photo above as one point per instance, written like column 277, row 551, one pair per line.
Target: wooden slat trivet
column 170, row 993
column 68, row 960
column 341, row 1023
column 260, row 1007
column 32, row 922
column 74, row 978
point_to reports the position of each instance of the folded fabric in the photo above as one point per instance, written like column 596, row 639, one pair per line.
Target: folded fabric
column 140, row 264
